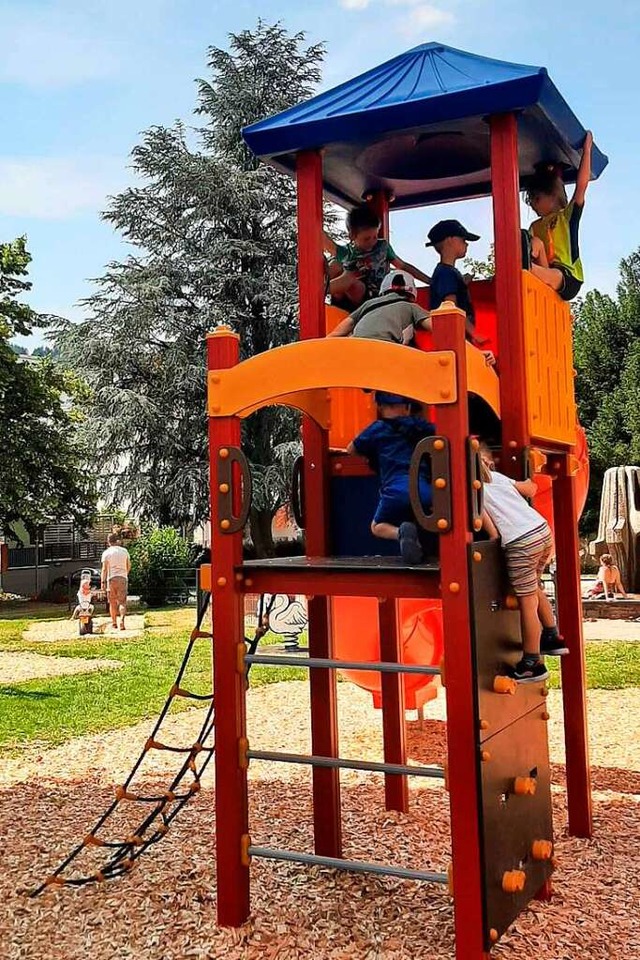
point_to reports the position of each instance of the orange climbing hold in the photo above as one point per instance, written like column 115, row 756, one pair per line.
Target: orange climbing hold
column 513, row 881
column 542, row 850
column 504, row 685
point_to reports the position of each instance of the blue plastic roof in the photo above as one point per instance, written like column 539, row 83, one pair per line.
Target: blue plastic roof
column 416, row 127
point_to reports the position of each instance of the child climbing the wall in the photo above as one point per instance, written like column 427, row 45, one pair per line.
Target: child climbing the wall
column 527, row 544
column 555, row 250
column 357, row 269
column 393, row 315
column 609, row 576
column 451, row 241
column 388, row 444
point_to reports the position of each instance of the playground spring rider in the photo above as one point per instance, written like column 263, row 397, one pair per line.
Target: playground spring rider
column 83, row 613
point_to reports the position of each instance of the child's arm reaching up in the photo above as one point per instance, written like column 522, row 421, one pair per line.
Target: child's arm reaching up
column 584, row 171
column 410, row 269
column 526, row 488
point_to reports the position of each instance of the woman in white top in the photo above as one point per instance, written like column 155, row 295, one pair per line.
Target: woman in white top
column 528, row 546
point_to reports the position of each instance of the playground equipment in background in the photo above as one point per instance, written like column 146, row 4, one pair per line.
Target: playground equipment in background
column 431, row 125
column 619, row 524
column 356, row 636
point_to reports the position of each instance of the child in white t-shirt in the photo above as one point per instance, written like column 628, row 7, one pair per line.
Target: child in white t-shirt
column 528, row 545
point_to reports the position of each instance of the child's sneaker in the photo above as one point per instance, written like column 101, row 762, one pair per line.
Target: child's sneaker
column 552, row 644
column 410, row 548
column 531, row 669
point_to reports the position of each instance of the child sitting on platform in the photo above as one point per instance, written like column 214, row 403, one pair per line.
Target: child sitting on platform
column 528, row 544
column 357, row 269
column 85, row 598
column 388, row 444
column 393, row 315
column 554, row 237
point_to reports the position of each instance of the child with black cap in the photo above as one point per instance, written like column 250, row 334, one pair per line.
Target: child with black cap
column 388, row 444
column 451, row 240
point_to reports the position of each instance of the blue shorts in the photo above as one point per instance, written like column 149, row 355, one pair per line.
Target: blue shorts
column 395, row 507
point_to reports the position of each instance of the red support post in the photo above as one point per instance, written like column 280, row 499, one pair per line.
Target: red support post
column 322, row 683
column 509, row 306
column 379, row 201
column 396, row 787
column 569, row 611
column 232, row 816
column 452, row 421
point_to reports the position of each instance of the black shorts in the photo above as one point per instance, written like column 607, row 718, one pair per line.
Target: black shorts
column 570, row 286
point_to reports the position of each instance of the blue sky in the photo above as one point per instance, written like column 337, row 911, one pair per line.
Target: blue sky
column 80, row 79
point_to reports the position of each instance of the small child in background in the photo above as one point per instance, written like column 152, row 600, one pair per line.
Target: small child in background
column 555, row 249
column 527, row 544
column 609, row 575
column 388, row 444
column 392, row 316
column 357, row 269
column 85, row 597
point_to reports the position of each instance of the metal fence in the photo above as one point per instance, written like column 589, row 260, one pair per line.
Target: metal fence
column 54, row 552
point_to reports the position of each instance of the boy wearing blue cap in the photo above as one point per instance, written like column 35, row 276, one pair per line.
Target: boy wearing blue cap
column 388, row 444
column 451, row 240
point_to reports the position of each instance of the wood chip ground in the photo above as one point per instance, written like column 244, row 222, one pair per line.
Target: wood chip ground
column 165, row 910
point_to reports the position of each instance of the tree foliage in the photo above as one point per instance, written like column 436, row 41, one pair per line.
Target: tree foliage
column 607, row 359
column 153, row 555
column 43, row 475
column 214, row 241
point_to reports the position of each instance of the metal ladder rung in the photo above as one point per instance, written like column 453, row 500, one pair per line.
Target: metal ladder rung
column 354, row 866
column 310, row 662
column 340, row 764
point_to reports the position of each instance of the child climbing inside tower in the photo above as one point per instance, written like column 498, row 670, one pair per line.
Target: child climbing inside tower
column 357, row 269
column 451, row 240
column 555, row 250
column 388, row 444
column 527, row 544
column 393, row 315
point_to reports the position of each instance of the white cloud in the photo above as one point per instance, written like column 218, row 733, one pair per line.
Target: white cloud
column 424, row 17
column 57, row 188
column 421, row 16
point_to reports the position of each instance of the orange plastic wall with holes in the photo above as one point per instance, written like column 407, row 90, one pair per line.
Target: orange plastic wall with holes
column 549, row 363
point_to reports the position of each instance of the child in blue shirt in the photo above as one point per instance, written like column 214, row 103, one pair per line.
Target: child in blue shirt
column 451, row 240
column 357, row 269
column 388, row 444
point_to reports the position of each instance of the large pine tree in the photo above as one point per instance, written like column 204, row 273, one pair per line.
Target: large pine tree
column 214, row 241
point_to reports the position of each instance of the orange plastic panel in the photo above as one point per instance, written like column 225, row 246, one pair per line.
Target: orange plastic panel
column 549, row 363
column 356, row 637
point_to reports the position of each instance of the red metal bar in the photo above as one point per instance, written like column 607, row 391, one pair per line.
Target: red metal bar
column 232, row 817
column 569, row 610
column 509, row 307
column 338, row 584
column 396, row 787
column 322, row 683
column 462, row 738
column 379, row 201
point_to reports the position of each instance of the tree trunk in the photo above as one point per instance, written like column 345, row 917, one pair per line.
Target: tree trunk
column 260, row 523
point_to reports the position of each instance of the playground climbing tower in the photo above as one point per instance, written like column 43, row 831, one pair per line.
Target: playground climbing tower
column 432, row 125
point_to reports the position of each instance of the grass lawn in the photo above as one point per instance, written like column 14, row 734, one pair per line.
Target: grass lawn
column 50, row 711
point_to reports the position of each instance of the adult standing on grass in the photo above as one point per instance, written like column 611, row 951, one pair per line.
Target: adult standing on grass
column 115, row 579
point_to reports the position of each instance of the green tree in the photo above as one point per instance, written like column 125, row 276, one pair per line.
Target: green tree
column 607, row 359
column 43, row 475
column 215, row 241
column 153, row 556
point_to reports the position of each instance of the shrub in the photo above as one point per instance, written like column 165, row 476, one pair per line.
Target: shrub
column 155, row 552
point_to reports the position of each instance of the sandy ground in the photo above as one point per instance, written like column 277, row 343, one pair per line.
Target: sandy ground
column 166, row 911
column 56, row 631
column 19, row 667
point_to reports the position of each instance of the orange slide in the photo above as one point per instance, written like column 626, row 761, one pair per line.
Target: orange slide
column 356, row 637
